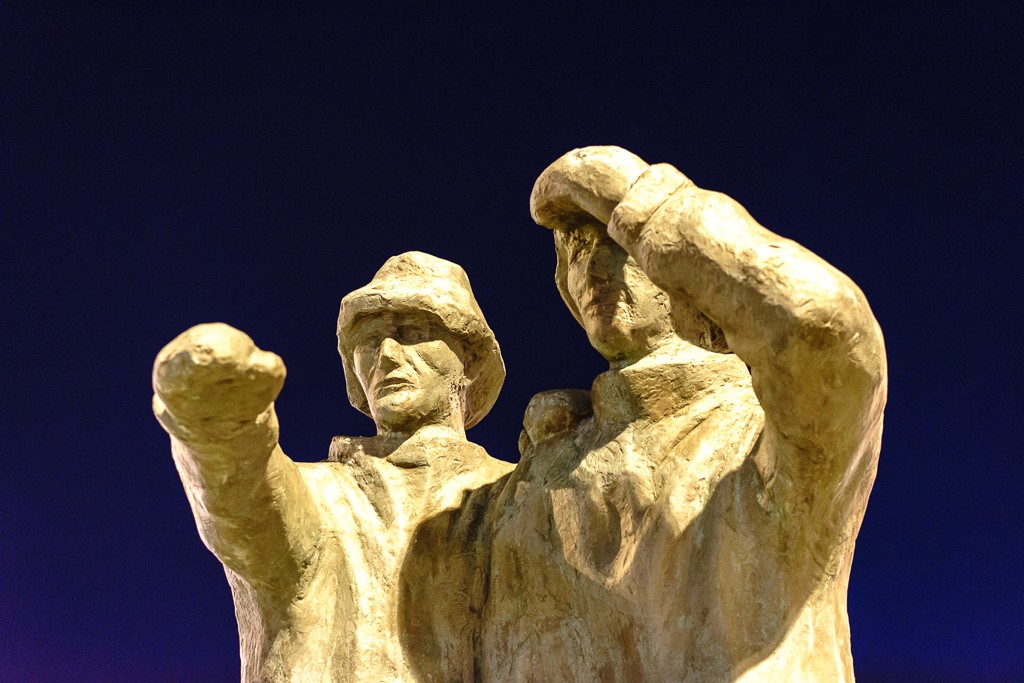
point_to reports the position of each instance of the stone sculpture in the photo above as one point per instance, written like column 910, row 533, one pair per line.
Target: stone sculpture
column 696, row 522
column 319, row 555
column 692, row 517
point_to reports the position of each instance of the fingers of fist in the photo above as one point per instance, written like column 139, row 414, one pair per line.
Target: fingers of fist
column 215, row 371
column 584, row 184
column 653, row 189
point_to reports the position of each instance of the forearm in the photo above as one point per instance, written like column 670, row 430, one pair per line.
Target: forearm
column 813, row 346
column 803, row 327
column 214, row 393
column 251, row 505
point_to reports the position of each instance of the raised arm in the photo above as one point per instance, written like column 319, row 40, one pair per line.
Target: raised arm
column 806, row 331
column 214, row 393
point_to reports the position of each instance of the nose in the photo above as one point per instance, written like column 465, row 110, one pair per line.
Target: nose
column 389, row 354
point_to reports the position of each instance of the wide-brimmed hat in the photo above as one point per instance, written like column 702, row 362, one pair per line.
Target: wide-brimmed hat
column 415, row 282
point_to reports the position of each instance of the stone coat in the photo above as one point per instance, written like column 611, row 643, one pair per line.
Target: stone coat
column 658, row 538
column 655, row 540
column 391, row 589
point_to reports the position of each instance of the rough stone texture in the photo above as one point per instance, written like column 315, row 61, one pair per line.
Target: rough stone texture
column 700, row 524
column 346, row 570
column 692, row 517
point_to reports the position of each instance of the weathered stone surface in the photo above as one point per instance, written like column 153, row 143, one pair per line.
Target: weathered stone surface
column 700, row 524
column 691, row 517
column 327, row 561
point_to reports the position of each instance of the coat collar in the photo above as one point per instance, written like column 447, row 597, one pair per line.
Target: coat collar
column 663, row 383
column 444, row 453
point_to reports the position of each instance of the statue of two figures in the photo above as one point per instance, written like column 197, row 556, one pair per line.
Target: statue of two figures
column 692, row 517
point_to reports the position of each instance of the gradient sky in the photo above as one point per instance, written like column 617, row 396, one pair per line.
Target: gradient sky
column 161, row 168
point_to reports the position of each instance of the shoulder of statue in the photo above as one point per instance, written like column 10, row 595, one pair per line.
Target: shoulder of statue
column 554, row 412
column 486, row 465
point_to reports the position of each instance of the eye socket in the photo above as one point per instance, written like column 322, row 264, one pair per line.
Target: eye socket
column 365, row 340
column 414, row 332
column 362, row 359
column 578, row 243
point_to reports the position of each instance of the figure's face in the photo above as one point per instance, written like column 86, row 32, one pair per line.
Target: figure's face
column 623, row 312
column 410, row 369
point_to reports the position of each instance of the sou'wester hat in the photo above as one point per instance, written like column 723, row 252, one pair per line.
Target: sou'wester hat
column 415, row 282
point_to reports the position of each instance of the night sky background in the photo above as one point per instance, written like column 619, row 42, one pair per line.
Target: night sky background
column 165, row 167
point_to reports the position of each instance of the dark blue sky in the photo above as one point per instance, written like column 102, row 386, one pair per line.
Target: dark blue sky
column 161, row 168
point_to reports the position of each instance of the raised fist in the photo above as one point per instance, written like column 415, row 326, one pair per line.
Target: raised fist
column 583, row 185
column 212, row 379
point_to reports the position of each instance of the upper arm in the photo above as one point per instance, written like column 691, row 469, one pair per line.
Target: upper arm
column 814, row 348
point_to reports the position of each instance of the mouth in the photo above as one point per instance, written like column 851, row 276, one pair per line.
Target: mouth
column 606, row 305
column 602, row 304
column 609, row 296
column 390, row 384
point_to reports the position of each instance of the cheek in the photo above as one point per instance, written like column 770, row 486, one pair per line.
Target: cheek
column 361, row 367
column 436, row 359
column 574, row 281
column 649, row 300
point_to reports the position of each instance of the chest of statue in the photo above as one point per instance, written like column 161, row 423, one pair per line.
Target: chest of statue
column 602, row 526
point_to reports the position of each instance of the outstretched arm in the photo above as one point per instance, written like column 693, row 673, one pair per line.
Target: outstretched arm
column 214, row 393
column 806, row 331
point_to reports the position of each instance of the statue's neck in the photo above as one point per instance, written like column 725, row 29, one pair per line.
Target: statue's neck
column 663, row 382
column 426, row 447
column 664, row 339
column 445, row 430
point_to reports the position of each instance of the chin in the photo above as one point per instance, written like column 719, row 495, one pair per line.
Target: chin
column 401, row 422
column 394, row 402
column 394, row 408
column 406, row 410
column 612, row 341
